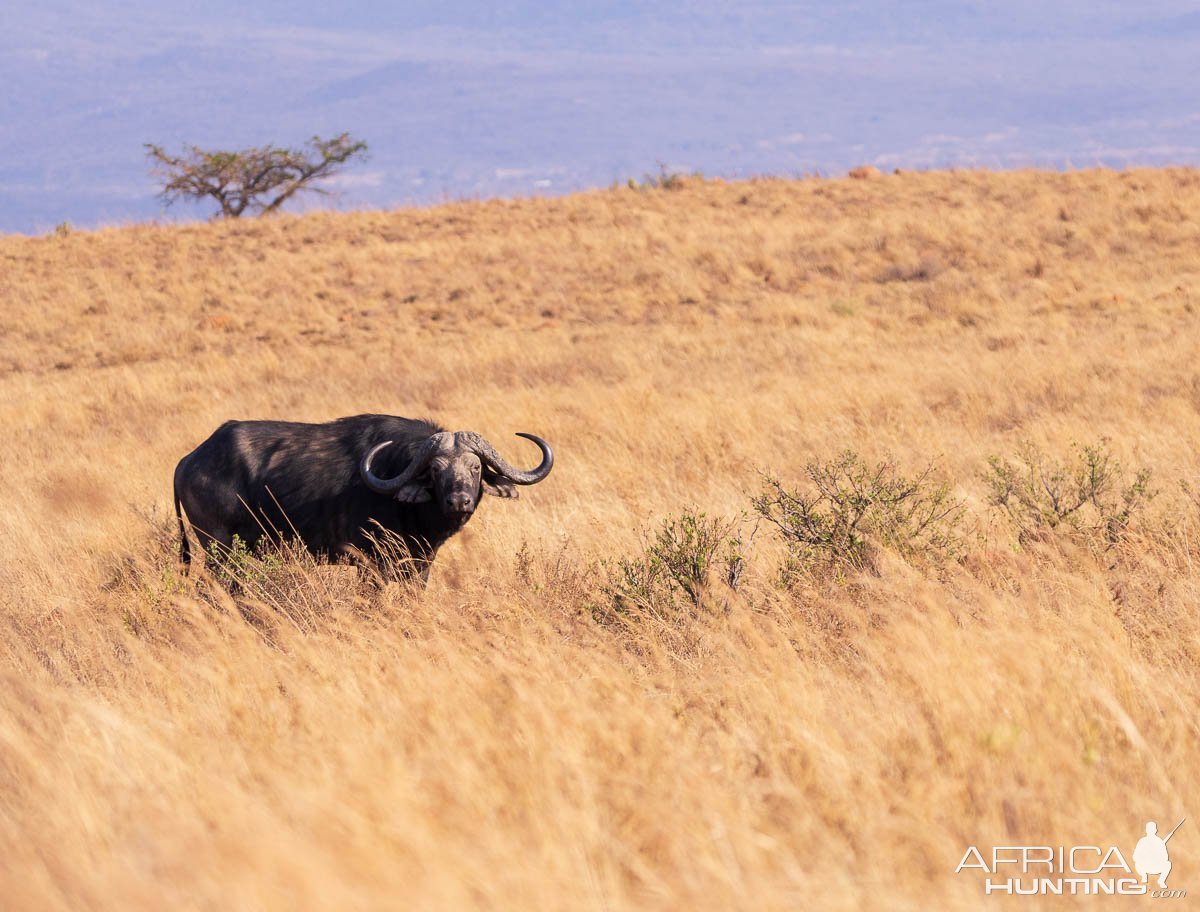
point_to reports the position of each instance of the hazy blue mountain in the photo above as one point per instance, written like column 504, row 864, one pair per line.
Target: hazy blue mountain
column 467, row 98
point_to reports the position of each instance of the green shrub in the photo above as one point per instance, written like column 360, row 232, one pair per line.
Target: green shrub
column 239, row 565
column 847, row 509
column 1089, row 494
column 674, row 575
column 1192, row 494
column 664, row 180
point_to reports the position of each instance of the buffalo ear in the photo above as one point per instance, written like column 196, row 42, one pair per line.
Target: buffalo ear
column 414, row 494
column 499, row 487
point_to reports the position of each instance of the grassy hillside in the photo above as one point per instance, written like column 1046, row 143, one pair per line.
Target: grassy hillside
column 507, row 739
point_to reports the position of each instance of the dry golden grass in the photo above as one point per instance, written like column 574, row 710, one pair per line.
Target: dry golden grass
column 486, row 743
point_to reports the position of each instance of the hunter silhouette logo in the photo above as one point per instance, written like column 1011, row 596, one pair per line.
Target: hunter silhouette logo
column 1033, row 870
column 1150, row 856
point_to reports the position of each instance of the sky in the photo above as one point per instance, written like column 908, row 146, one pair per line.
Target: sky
column 469, row 99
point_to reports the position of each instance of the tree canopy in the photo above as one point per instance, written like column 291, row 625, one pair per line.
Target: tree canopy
column 258, row 180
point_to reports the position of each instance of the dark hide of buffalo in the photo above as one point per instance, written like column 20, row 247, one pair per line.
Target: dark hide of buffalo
column 341, row 487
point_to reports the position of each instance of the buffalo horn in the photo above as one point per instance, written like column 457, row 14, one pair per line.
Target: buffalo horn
column 488, row 454
column 392, row 485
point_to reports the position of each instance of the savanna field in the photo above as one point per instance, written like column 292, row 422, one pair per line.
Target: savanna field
column 556, row 722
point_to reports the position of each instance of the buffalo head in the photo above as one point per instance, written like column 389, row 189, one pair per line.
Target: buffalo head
column 454, row 468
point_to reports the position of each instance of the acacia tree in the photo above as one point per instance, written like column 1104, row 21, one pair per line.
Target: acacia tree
column 259, row 180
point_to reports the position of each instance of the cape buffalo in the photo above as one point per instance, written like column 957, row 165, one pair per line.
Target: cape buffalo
column 337, row 486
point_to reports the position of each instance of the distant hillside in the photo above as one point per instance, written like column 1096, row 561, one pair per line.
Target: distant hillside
column 900, row 250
